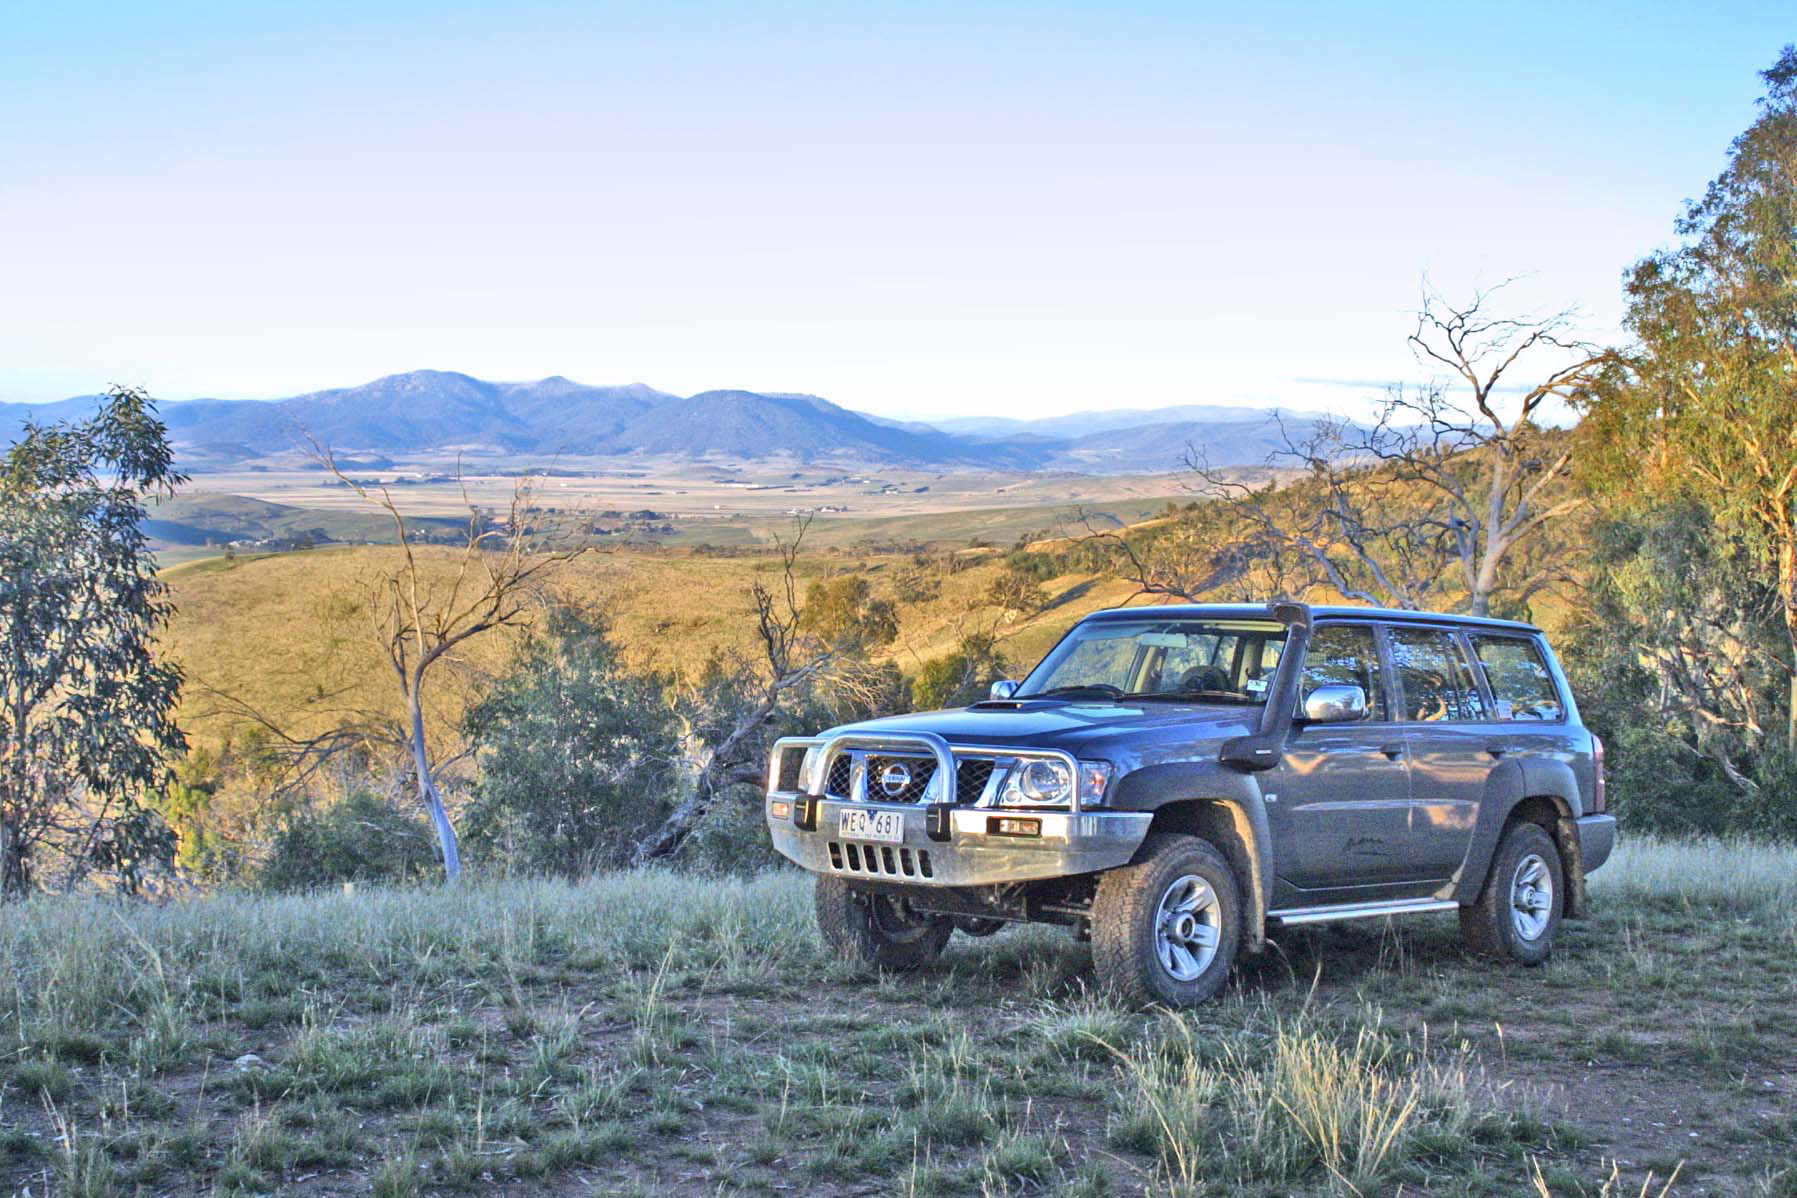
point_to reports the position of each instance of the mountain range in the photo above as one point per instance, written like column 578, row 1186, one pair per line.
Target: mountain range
column 434, row 412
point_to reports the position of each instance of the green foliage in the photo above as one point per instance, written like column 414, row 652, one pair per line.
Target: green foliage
column 1015, row 591
column 579, row 757
column 361, row 839
column 843, row 612
column 1707, row 409
column 1674, row 669
column 960, row 678
column 88, row 721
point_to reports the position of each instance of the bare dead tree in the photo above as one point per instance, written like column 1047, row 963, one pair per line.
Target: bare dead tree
column 790, row 658
column 1452, row 480
column 419, row 619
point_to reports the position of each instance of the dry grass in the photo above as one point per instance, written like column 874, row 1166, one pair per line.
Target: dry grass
column 284, row 632
column 661, row 1033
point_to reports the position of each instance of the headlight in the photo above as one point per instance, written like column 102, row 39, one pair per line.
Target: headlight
column 806, row 782
column 1045, row 782
column 802, row 782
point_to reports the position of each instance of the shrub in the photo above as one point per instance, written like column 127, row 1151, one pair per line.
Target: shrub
column 579, row 758
column 960, row 678
column 364, row 838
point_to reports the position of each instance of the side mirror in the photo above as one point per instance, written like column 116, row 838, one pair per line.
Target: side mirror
column 1335, row 704
column 1004, row 688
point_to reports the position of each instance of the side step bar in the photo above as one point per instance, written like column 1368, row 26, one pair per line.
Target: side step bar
column 1296, row 915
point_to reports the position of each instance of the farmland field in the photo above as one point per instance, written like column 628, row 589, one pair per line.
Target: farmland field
column 675, row 1034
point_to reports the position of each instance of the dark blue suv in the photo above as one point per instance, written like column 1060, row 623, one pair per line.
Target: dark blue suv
column 1173, row 782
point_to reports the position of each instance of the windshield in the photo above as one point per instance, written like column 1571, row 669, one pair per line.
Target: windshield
column 1229, row 661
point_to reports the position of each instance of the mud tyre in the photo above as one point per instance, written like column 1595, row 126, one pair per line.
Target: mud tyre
column 1519, row 910
column 876, row 929
column 1165, row 929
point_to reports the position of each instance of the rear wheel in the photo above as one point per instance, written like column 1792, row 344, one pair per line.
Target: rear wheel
column 877, row 929
column 1165, row 929
column 1519, row 910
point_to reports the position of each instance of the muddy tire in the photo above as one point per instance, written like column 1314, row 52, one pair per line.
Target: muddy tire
column 1165, row 929
column 877, row 930
column 1519, row 909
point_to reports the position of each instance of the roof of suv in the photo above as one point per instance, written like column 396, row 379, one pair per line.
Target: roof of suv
column 1260, row 611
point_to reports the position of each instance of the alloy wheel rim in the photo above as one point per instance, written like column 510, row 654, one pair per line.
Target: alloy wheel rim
column 1187, row 928
column 1531, row 897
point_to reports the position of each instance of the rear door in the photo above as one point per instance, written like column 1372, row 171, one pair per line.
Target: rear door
column 1452, row 745
column 1339, row 801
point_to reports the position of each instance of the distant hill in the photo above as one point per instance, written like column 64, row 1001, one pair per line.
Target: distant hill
column 435, row 411
column 1082, row 424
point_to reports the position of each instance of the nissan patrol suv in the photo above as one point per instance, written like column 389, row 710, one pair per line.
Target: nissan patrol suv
column 1176, row 782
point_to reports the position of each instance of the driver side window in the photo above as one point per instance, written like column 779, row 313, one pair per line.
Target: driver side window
column 1346, row 655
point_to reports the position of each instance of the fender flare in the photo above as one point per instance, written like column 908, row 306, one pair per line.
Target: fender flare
column 1246, row 839
column 1511, row 783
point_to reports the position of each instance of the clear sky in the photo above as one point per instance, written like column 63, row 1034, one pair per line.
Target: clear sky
column 914, row 209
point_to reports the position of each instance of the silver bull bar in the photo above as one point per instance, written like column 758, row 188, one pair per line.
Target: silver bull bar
column 942, row 842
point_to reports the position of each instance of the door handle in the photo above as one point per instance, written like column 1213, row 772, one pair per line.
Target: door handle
column 1392, row 751
column 1497, row 750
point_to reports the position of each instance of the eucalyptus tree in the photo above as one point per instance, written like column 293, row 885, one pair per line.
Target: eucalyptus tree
column 422, row 610
column 87, row 727
column 1710, row 408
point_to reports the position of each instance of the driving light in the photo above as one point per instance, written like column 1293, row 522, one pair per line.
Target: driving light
column 780, row 809
column 1013, row 825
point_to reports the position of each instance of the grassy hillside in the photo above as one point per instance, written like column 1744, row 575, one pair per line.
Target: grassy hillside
column 287, row 633
column 667, row 1034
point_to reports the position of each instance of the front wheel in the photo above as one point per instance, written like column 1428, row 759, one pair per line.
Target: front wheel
column 1519, row 909
column 877, row 929
column 1165, row 929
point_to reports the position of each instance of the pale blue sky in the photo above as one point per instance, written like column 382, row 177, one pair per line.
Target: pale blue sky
column 926, row 209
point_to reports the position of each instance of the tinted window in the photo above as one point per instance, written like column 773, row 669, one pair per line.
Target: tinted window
column 1521, row 686
column 1345, row 655
column 1435, row 677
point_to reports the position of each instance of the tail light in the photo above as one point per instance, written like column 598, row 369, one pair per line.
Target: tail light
column 1600, row 800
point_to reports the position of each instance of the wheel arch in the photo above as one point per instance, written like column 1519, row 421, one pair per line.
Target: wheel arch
column 1541, row 791
column 1223, row 806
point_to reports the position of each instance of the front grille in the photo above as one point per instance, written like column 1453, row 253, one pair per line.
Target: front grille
column 971, row 775
column 837, row 785
column 921, row 769
column 880, row 860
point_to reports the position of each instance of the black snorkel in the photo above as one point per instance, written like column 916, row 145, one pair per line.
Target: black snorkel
column 1261, row 749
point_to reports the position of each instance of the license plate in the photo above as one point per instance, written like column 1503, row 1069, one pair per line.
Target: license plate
column 886, row 827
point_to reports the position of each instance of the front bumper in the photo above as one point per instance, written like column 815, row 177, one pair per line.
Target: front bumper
column 973, row 855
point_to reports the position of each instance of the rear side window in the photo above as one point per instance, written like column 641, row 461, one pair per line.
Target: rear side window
column 1435, row 677
column 1345, row 655
column 1521, row 685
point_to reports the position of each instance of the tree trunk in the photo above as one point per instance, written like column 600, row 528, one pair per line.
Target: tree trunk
column 712, row 781
column 427, row 790
column 14, row 880
column 1787, row 597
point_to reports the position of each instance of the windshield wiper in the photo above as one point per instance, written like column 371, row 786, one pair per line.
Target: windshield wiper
column 1192, row 696
column 1102, row 689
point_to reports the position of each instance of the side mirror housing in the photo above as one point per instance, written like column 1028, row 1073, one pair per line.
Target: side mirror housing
column 1004, row 688
column 1335, row 704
